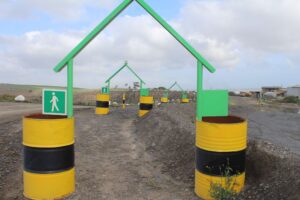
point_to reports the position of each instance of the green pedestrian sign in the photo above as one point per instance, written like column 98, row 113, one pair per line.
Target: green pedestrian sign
column 54, row 102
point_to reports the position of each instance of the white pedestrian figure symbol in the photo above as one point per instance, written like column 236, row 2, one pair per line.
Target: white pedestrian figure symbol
column 54, row 101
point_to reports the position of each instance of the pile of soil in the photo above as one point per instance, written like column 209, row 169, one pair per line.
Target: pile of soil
column 272, row 172
column 169, row 134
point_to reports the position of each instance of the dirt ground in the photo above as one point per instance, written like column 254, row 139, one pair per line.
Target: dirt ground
column 110, row 162
column 273, row 158
column 121, row 156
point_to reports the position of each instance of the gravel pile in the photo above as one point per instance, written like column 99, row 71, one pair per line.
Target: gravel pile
column 169, row 134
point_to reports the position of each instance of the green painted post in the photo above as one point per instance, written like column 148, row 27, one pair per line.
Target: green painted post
column 141, row 87
column 108, row 87
column 70, row 89
column 199, row 114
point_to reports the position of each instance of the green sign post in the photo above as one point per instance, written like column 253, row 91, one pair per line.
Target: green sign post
column 54, row 102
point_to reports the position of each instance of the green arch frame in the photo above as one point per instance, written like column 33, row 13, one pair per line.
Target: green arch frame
column 68, row 59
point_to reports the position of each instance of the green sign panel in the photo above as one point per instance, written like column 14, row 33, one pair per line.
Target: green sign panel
column 214, row 103
column 145, row 92
column 54, row 102
column 104, row 90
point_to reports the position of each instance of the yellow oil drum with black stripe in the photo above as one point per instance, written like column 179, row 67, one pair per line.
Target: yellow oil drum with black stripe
column 102, row 104
column 164, row 100
column 124, row 101
column 48, row 146
column 220, row 154
column 185, row 100
column 146, row 104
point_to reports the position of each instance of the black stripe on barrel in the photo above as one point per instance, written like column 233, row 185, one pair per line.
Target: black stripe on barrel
column 48, row 160
column 123, row 101
column 217, row 163
column 144, row 106
column 102, row 104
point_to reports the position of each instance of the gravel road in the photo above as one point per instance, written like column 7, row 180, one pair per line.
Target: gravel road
column 110, row 162
column 121, row 156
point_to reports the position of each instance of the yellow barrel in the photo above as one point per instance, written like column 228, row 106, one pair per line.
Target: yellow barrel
column 48, row 143
column 146, row 104
column 220, row 154
column 185, row 100
column 124, row 101
column 102, row 104
column 164, row 100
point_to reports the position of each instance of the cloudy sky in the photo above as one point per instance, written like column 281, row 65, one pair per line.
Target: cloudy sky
column 252, row 43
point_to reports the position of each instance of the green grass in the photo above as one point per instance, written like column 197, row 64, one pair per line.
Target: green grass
column 290, row 99
column 224, row 192
column 7, row 98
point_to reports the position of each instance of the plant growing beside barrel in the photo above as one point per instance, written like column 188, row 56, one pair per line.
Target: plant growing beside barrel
column 225, row 190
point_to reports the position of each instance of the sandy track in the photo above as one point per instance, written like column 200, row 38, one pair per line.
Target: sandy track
column 110, row 162
column 13, row 111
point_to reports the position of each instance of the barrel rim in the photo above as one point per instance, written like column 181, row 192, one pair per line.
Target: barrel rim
column 40, row 116
column 230, row 119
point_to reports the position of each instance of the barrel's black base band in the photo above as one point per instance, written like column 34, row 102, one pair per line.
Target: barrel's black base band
column 102, row 104
column 220, row 163
column 48, row 160
column 144, row 106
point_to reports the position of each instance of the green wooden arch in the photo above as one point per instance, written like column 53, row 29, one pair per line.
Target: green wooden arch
column 166, row 92
column 119, row 70
column 68, row 59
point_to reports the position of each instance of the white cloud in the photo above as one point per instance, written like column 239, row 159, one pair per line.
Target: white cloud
column 227, row 33
column 269, row 25
column 59, row 9
column 139, row 40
